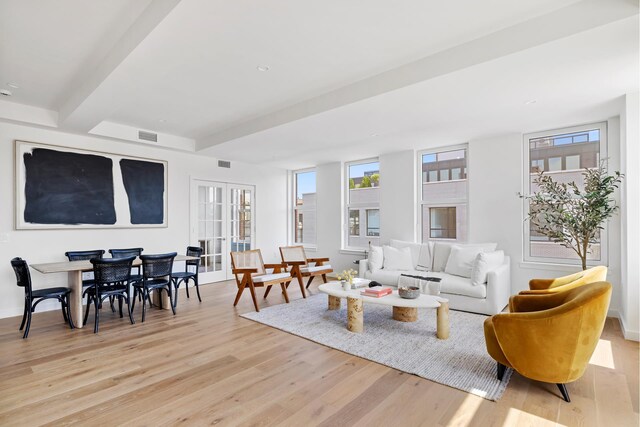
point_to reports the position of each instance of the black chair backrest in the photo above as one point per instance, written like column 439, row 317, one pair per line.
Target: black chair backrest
column 111, row 270
column 23, row 277
column 194, row 251
column 84, row 255
column 159, row 265
column 125, row 253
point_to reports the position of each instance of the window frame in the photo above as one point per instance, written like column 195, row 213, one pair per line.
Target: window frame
column 526, row 176
column 294, row 208
column 347, row 207
column 452, row 203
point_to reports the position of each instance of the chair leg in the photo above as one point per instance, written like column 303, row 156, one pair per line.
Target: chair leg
column 267, row 291
column 324, row 278
column 186, row 287
column 144, row 305
column 63, row 308
column 239, row 294
column 96, row 320
column 253, row 295
column 24, row 315
column 130, row 301
column 68, row 307
column 195, row 282
column 309, row 282
column 120, row 305
column 86, row 314
column 26, row 329
column 173, row 307
column 176, row 287
column 564, row 391
column 111, row 301
column 299, row 277
column 501, row 369
column 284, row 292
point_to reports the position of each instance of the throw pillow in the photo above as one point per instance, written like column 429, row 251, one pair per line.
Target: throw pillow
column 376, row 258
column 397, row 259
column 441, row 251
column 424, row 259
column 483, row 264
column 461, row 259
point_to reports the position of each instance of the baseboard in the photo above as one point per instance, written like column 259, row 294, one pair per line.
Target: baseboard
column 613, row 313
column 17, row 311
column 628, row 335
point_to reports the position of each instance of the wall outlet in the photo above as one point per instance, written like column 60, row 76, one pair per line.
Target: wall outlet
column 4, row 237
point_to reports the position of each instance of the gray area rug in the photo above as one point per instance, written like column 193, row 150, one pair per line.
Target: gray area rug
column 461, row 361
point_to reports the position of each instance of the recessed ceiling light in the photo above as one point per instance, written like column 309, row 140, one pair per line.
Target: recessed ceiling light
column 5, row 92
column 530, row 102
column 13, row 85
column 162, row 120
column 373, row 135
column 263, row 68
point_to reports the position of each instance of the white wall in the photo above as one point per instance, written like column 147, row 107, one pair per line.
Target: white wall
column 397, row 196
column 37, row 246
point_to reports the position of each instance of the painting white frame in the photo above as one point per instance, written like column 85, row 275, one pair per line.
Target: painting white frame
column 123, row 219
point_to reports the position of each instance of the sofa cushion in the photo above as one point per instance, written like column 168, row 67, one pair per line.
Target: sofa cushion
column 270, row 277
column 315, row 268
column 420, row 253
column 457, row 285
column 384, row 277
column 441, row 251
column 483, row 264
column 376, row 258
column 397, row 259
column 461, row 260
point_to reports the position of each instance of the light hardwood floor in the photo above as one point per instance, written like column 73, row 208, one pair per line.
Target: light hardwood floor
column 208, row 366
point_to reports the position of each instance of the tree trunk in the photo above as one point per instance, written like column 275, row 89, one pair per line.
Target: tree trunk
column 583, row 258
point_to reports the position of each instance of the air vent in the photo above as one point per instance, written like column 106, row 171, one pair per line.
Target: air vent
column 147, row 136
column 224, row 164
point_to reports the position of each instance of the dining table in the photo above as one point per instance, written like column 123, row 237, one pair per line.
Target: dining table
column 74, row 269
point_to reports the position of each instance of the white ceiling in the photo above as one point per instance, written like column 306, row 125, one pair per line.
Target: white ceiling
column 417, row 73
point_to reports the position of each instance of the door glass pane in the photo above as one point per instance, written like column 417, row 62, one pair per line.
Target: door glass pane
column 209, row 231
column 240, row 227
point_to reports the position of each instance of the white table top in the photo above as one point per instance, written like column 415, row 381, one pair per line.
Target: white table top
column 423, row 301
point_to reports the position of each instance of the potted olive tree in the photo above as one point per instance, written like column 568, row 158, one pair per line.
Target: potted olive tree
column 571, row 216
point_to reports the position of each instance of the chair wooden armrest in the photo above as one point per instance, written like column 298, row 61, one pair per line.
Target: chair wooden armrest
column 279, row 265
column 244, row 270
column 295, row 262
column 317, row 259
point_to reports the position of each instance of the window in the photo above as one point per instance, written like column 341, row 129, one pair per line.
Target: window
column 362, row 201
column 443, row 193
column 562, row 154
column 304, row 207
column 373, row 222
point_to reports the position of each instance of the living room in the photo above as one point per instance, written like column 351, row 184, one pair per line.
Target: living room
column 348, row 130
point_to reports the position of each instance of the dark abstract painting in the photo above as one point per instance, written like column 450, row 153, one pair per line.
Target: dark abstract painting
column 68, row 188
column 144, row 184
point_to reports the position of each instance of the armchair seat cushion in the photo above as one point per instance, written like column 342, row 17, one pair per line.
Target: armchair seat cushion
column 271, row 277
column 315, row 268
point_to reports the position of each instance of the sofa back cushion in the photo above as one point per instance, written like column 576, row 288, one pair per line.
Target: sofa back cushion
column 420, row 253
column 376, row 258
column 397, row 259
column 441, row 251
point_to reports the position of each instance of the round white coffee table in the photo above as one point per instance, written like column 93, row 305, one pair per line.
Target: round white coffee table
column 404, row 310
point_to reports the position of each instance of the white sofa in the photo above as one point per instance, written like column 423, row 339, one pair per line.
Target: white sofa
column 429, row 260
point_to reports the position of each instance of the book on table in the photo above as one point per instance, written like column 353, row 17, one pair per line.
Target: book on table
column 376, row 292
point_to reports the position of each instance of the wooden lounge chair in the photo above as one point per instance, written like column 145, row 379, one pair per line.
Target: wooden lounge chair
column 295, row 257
column 250, row 271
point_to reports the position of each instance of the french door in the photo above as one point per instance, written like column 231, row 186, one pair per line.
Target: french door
column 222, row 221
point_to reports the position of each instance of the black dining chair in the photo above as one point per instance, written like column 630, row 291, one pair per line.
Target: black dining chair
column 156, row 276
column 33, row 297
column 130, row 252
column 111, row 280
column 85, row 256
column 190, row 273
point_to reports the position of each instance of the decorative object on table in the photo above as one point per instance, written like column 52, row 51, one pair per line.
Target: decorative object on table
column 549, row 338
column 376, row 292
column 62, row 187
column 571, row 216
column 296, row 258
column 374, row 284
column 346, row 278
column 409, row 292
column 461, row 361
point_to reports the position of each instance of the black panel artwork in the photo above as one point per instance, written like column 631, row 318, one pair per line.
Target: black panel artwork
column 68, row 188
column 144, row 184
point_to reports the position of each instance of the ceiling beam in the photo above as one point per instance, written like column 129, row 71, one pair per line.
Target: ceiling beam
column 86, row 106
column 573, row 19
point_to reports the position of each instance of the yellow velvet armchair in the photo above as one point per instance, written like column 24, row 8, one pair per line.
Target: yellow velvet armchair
column 550, row 337
column 548, row 286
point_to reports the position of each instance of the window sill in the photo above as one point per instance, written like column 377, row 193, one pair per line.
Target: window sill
column 348, row 251
column 530, row 265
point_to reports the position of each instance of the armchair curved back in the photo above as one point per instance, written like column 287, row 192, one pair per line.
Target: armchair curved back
column 554, row 336
column 565, row 283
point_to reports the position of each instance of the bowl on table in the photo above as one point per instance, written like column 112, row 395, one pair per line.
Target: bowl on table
column 409, row 292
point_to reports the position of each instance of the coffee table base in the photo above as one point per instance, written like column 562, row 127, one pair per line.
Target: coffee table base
column 334, row 302
column 405, row 314
column 355, row 318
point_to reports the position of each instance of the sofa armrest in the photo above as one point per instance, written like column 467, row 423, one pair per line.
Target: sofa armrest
column 499, row 286
column 363, row 267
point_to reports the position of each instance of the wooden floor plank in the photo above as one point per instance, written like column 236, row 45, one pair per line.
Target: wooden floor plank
column 207, row 365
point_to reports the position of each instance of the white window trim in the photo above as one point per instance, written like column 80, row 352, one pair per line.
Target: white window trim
column 346, row 206
column 450, row 203
column 526, row 247
column 292, row 209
